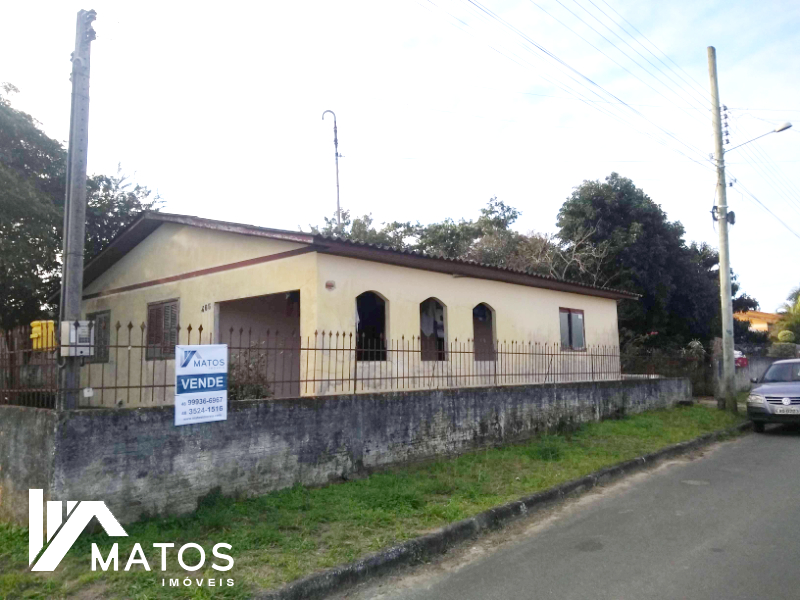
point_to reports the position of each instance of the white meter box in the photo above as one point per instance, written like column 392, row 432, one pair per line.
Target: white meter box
column 77, row 338
column 201, row 384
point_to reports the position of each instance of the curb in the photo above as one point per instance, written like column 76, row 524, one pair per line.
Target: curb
column 422, row 549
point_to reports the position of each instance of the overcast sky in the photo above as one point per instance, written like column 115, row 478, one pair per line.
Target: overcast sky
column 440, row 107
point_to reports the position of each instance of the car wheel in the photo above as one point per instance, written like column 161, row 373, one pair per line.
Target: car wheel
column 758, row 426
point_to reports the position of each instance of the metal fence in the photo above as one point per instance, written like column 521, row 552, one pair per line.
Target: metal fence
column 127, row 371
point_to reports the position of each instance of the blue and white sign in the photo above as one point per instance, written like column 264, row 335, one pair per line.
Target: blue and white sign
column 201, row 384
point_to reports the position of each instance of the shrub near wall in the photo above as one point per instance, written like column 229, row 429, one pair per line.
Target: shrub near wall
column 782, row 350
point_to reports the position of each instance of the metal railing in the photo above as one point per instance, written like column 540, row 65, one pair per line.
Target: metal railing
column 128, row 370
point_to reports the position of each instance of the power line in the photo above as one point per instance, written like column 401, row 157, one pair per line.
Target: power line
column 703, row 101
column 587, row 79
column 781, row 221
column 699, row 85
column 563, row 86
column 617, row 48
column 770, row 172
column 703, row 98
column 767, row 109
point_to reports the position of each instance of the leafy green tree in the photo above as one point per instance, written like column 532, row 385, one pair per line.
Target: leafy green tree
column 112, row 203
column 648, row 255
column 32, row 188
column 790, row 314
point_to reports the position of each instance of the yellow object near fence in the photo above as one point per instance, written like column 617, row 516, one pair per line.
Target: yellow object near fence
column 43, row 335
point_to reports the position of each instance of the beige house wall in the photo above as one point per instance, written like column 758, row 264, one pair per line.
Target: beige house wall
column 521, row 313
column 175, row 250
column 328, row 287
column 523, row 316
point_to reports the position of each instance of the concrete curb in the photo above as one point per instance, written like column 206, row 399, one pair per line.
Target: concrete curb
column 422, row 549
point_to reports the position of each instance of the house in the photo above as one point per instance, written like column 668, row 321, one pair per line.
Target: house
column 759, row 321
column 170, row 279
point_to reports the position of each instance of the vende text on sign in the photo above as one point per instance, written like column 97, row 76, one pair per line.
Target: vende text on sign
column 201, row 384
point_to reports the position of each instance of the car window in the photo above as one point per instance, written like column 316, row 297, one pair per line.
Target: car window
column 782, row 373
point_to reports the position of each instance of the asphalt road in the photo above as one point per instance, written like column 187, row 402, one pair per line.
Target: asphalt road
column 722, row 526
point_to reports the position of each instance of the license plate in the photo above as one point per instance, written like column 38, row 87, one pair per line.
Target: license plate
column 787, row 410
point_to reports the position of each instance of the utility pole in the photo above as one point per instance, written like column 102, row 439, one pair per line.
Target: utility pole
column 336, row 153
column 727, row 390
column 75, row 203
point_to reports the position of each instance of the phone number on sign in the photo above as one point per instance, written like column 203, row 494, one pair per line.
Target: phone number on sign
column 199, row 401
column 206, row 409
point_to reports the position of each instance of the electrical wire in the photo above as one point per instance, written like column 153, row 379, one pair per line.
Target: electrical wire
column 607, row 56
column 777, row 218
column 587, row 81
column 704, row 91
column 704, row 99
column 770, row 172
column 577, row 94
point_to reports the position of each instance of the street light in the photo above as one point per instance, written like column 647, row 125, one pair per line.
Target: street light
column 727, row 386
column 336, row 153
column 783, row 127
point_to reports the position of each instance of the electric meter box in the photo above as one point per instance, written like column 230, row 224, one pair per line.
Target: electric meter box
column 77, row 338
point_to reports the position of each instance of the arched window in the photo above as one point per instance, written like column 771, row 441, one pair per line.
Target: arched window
column 432, row 330
column 370, row 327
column 483, row 331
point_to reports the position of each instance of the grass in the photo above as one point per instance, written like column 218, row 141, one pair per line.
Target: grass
column 287, row 534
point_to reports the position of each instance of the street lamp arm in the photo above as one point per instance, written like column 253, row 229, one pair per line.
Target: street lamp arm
column 783, row 127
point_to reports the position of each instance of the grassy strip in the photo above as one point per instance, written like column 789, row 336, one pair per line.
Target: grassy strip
column 285, row 535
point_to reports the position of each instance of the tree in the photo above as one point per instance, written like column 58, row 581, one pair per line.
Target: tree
column 32, row 188
column 112, row 203
column 790, row 314
column 489, row 239
column 647, row 254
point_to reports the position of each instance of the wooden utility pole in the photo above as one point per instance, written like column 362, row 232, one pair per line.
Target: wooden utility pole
column 727, row 391
column 75, row 203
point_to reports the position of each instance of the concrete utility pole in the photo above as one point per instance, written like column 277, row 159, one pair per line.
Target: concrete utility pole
column 336, row 153
column 727, row 397
column 75, row 202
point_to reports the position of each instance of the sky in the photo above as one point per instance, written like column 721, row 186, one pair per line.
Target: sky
column 440, row 105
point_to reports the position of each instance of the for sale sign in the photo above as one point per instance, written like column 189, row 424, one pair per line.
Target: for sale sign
column 201, row 384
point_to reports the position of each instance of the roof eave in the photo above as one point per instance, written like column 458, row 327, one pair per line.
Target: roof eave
column 461, row 268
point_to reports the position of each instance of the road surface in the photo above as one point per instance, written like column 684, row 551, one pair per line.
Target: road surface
column 723, row 525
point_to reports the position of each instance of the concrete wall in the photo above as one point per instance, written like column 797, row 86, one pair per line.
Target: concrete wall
column 27, row 450
column 137, row 461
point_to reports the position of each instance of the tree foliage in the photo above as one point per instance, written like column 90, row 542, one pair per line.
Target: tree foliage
column 790, row 314
column 489, row 239
column 610, row 234
column 32, row 189
column 678, row 283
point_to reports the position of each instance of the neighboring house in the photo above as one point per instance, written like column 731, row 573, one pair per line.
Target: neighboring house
column 759, row 321
column 240, row 281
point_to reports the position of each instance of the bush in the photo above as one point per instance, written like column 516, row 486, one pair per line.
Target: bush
column 786, row 336
column 782, row 350
column 247, row 375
